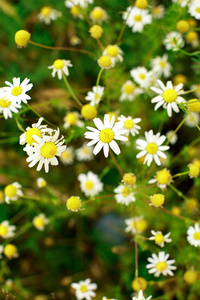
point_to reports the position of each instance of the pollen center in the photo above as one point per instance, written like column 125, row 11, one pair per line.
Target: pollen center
column 89, row 185
column 65, row 154
column 196, row 236
column 10, row 190
column 128, row 124
column 142, row 76
column 112, row 51
column 3, row 230
column 159, row 238
column 48, row 150
column 105, row 61
column 38, row 222
column 71, row 118
column 83, row 288
column 161, row 266
column 152, row 148
column 125, row 191
column 45, row 11
column 198, row 10
column 58, row 64
column 29, row 135
column 163, row 177
column 137, row 18
column 97, row 14
column 10, row 250
column 129, row 88
column 4, row 103
column 162, row 63
column 16, row 91
column 106, row 135
column 97, row 96
column 169, row 95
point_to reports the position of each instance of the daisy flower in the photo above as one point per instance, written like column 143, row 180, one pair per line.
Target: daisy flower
column 136, row 18
column 12, row 192
column 10, row 251
column 41, row 182
column 160, row 66
column 158, row 11
column 159, row 238
column 141, row 296
column 124, row 194
column 160, row 265
column 130, row 124
column 105, row 135
column 136, row 224
column 151, row 148
column 84, row 153
column 129, row 91
column 45, row 150
column 72, row 119
column 114, row 52
column 84, row 289
column 141, row 76
column 194, row 9
column 90, row 184
column 40, row 222
column 60, row 66
column 7, row 107
column 6, row 230
column 170, row 39
column 95, row 96
column 98, row 15
column 193, row 235
column 47, row 14
column 16, row 92
column 172, row 137
column 168, row 96
column 67, row 156
column 162, row 178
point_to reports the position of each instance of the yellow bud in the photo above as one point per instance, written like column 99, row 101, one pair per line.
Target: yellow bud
column 22, row 37
column 190, row 276
column 192, row 22
column 176, row 210
column 10, row 250
column 180, row 78
column 142, row 4
column 105, row 62
column 88, row 111
column 191, row 36
column 194, row 105
column 157, row 200
column 96, row 31
column 193, row 170
column 73, row 203
column 139, row 284
column 182, row 26
column 129, row 179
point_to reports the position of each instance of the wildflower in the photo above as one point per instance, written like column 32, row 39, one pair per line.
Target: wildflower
column 191, row 119
column 129, row 91
column 139, row 283
column 129, row 179
column 16, row 92
column 141, row 296
column 88, row 111
column 75, row 40
column 72, row 119
column 137, row 224
column 194, row 9
column 168, row 96
column 160, row 265
column 194, row 105
column 141, row 76
column 95, row 96
column 193, row 235
column 96, row 31
column 90, row 184
column 73, row 203
column 6, row 230
column 152, row 148
column 114, row 52
column 182, row 26
column 41, row 183
column 98, row 15
column 190, row 276
column 142, row 4
column 130, row 124
column 22, row 38
column 40, row 222
column 137, row 18
column 163, row 178
column 105, row 134
column 47, row 14
column 157, row 200
column 193, row 170
column 173, row 41
column 12, row 192
column 84, row 289
column 76, row 11
column 45, row 151
column 84, row 153
column 159, row 238
column 158, row 11
column 160, row 66
column 105, row 62
column 124, row 194
column 60, row 66
column 7, row 107
column 10, row 251
column 172, row 137
column 67, row 156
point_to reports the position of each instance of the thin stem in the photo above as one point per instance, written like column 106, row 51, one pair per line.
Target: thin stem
column 123, row 27
column 35, row 112
column 136, row 244
column 100, row 197
column 180, row 174
column 70, row 91
column 116, row 164
column 98, row 77
column 175, row 131
column 179, row 193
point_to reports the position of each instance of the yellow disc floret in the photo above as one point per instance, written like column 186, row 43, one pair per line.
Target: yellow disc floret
column 97, row 13
column 151, row 148
column 10, row 250
column 58, row 64
column 193, row 170
column 142, row 4
column 45, row 11
column 157, row 200
column 4, row 103
column 176, row 210
column 190, row 276
column 196, row 235
column 112, row 50
column 89, row 185
column 128, row 124
column 73, row 203
column 163, row 177
column 83, row 288
column 159, row 238
column 139, row 284
column 194, row 105
column 71, row 118
column 161, row 266
column 180, row 78
column 38, row 222
column 3, row 230
column 105, row 62
column 192, row 204
column 96, row 31
column 75, row 10
column 16, row 91
column 126, row 191
column 129, row 179
column 22, row 37
column 191, row 36
column 48, row 150
column 29, row 135
column 169, row 95
column 137, row 18
column 141, row 225
column 88, row 111
column 129, row 88
column 182, row 26
column 10, row 191
column 106, row 135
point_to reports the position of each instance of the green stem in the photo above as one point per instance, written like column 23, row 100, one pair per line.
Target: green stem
column 70, row 91
column 180, row 174
column 175, row 131
column 98, row 77
column 35, row 112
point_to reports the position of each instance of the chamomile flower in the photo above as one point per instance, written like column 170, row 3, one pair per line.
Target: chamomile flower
column 45, row 150
column 161, row 66
column 48, row 14
column 136, row 18
column 16, row 91
column 194, row 9
column 41, row 182
column 8, row 107
column 84, row 289
column 67, row 156
column 172, row 137
column 40, row 222
column 10, row 251
column 72, row 119
column 12, row 192
column 6, row 230
column 95, row 96
column 160, row 264
column 168, row 96
column 141, row 76
column 129, row 91
column 105, row 135
column 130, row 124
column 159, row 238
column 98, row 15
column 162, row 178
column 60, row 66
column 124, row 194
column 193, row 235
column 90, row 184
column 136, row 224
column 114, row 52
column 152, row 148
column 158, row 11
column 173, row 41
column 141, row 296
column 84, row 153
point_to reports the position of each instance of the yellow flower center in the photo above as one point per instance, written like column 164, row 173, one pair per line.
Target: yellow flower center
column 96, row 31
column 137, row 18
column 196, row 236
column 75, row 10
column 163, row 177
column 157, row 200
column 142, row 4
column 4, row 102
column 3, row 230
column 193, row 170
column 152, row 148
column 58, row 64
column 22, row 38
column 105, row 61
column 97, row 96
column 10, row 250
column 112, row 51
column 162, row 63
column 198, row 10
column 106, row 135
column 161, row 266
column 73, row 203
column 129, row 179
column 142, row 76
column 191, row 36
column 88, row 111
column 126, row 191
column 194, row 105
column 10, row 190
column 85, row 150
column 65, row 154
column 128, row 124
column 139, row 284
column 190, row 276
column 38, row 222
column 89, row 185
column 129, row 88
column 71, row 118
column 182, row 26
column 45, row 11
column 16, row 91
column 48, row 150
column 141, row 225
column 83, row 289
column 156, row 10
column 29, row 135
column 97, row 13
column 159, row 238
column 169, row 95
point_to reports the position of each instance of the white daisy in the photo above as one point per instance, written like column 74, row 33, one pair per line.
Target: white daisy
column 60, row 66
column 84, row 153
column 67, row 156
column 172, row 137
column 105, row 135
column 16, row 92
column 72, row 119
column 168, row 96
column 159, row 238
column 158, row 11
column 124, row 194
column 130, row 124
column 7, row 107
column 129, row 91
column 151, row 148
column 40, row 222
column 12, row 192
column 141, row 296
column 75, row 40
column 162, row 178
column 160, row 265
column 161, row 66
column 41, row 182
column 114, row 52
column 137, row 18
column 193, row 235
column 90, row 184
column 95, row 96
column 84, row 289
column 45, row 151
column 138, row 224
column 48, row 14
column 98, row 15
column 6, row 230
column 141, row 76
column 173, row 40
column 191, row 119
column 194, row 9
column 82, row 3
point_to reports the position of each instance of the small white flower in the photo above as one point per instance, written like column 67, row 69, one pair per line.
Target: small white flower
column 82, row 3
column 138, row 224
column 161, row 66
column 160, row 265
column 90, row 184
column 84, row 289
column 129, row 91
column 159, row 238
column 48, row 14
column 84, row 153
column 172, row 137
column 98, row 15
column 141, row 76
column 60, row 66
column 72, row 119
column 16, row 91
column 12, row 192
column 40, row 222
column 158, row 11
column 163, row 178
column 193, row 235
column 95, row 96
column 168, row 96
column 124, row 194
column 170, row 39
column 130, row 124
column 41, row 183
column 136, row 18
column 67, row 156
column 194, row 9
column 6, row 230
column 7, row 107
column 141, row 296
column 114, row 52
column 105, row 134
column 151, row 148
column 191, row 119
